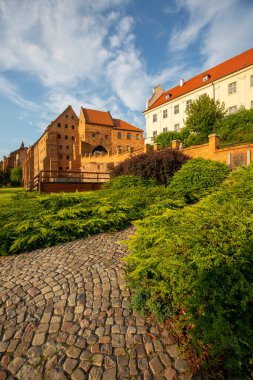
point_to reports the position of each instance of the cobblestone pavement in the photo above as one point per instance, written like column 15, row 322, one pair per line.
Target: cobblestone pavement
column 65, row 313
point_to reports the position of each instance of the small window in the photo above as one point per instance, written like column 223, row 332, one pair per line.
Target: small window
column 67, row 168
column 232, row 109
column 137, row 137
column 58, row 136
column 154, row 133
column 67, row 157
column 176, row 127
column 128, row 136
column 119, row 147
column 167, row 96
column 165, row 114
column 206, row 77
column 66, row 126
column 66, row 137
column 60, row 156
column 59, row 125
column 119, row 135
column 67, row 116
column 72, row 126
column 60, row 168
column 106, row 137
column 232, row 88
column 188, row 103
column 72, row 117
column 73, row 138
column 155, row 118
column 165, row 130
column 94, row 135
column 60, row 146
column 67, row 146
column 176, row 109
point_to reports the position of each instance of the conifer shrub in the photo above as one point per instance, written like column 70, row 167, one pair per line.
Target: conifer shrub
column 127, row 181
column 199, row 260
column 197, row 178
column 159, row 166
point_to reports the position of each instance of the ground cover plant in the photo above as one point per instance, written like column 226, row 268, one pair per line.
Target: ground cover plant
column 197, row 262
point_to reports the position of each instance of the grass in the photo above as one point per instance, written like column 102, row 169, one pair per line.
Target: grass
column 7, row 193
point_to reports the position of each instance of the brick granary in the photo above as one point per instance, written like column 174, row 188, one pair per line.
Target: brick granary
column 68, row 139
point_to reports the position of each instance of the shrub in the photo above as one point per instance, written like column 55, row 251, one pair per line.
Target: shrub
column 166, row 138
column 197, row 178
column 127, row 181
column 199, row 260
column 16, row 176
column 159, row 166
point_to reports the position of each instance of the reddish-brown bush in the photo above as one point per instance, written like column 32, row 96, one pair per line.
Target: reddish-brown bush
column 159, row 166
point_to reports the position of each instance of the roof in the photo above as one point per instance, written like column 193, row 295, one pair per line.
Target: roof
column 230, row 66
column 97, row 117
column 121, row 124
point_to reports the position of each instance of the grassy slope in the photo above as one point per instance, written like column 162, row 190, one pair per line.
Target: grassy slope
column 7, row 193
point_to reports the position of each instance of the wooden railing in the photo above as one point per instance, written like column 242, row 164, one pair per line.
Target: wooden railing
column 61, row 176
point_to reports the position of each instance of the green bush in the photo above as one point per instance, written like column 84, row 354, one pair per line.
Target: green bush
column 197, row 178
column 159, row 166
column 199, row 259
column 16, row 176
column 166, row 138
column 127, row 181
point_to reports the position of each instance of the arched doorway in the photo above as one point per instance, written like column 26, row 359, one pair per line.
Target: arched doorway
column 99, row 149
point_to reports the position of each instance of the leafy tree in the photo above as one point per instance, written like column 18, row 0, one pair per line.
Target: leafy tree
column 16, row 176
column 202, row 115
column 166, row 138
column 159, row 166
column 4, row 177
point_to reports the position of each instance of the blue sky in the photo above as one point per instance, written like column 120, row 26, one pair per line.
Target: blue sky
column 106, row 54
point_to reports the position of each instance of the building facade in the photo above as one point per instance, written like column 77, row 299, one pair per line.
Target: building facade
column 68, row 140
column 14, row 159
column 230, row 82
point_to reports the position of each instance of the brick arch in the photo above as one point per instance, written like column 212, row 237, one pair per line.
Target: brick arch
column 100, row 149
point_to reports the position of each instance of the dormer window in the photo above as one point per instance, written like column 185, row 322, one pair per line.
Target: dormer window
column 205, row 77
column 167, row 96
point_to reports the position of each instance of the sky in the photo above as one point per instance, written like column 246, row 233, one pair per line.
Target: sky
column 106, row 55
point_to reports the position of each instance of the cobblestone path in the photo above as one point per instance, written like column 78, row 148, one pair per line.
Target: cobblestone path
column 65, row 314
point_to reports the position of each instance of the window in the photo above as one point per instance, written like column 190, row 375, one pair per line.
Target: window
column 165, row 130
column 154, row 133
column 60, row 168
column 67, row 116
column 176, row 109
column 58, row 136
column 66, row 137
column 59, row 125
column 106, row 137
column 73, row 138
column 67, row 157
column 66, row 126
column 165, row 114
column 128, row 136
column 60, row 156
column 73, row 127
column 188, row 103
column 119, row 147
column 119, row 135
column 137, row 137
column 72, row 117
column 67, row 146
column 232, row 109
column 155, row 118
column 232, row 88
column 167, row 96
column 94, row 135
column 206, row 77
column 67, row 168
column 60, row 146
column 176, row 127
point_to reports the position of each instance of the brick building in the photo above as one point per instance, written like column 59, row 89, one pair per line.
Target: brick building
column 68, row 139
column 14, row 159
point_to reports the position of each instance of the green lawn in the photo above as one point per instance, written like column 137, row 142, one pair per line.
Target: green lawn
column 6, row 193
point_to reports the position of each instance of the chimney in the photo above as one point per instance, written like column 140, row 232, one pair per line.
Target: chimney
column 181, row 82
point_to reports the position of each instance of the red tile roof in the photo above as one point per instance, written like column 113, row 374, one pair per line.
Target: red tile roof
column 97, row 117
column 223, row 69
column 121, row 124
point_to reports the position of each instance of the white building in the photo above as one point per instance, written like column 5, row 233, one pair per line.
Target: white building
column 230, row 82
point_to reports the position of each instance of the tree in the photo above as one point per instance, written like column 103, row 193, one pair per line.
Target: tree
column 4, row 177
column 202, row 114
column 16, row 176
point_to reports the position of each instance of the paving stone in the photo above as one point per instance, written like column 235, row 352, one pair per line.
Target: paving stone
column 65, row 313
